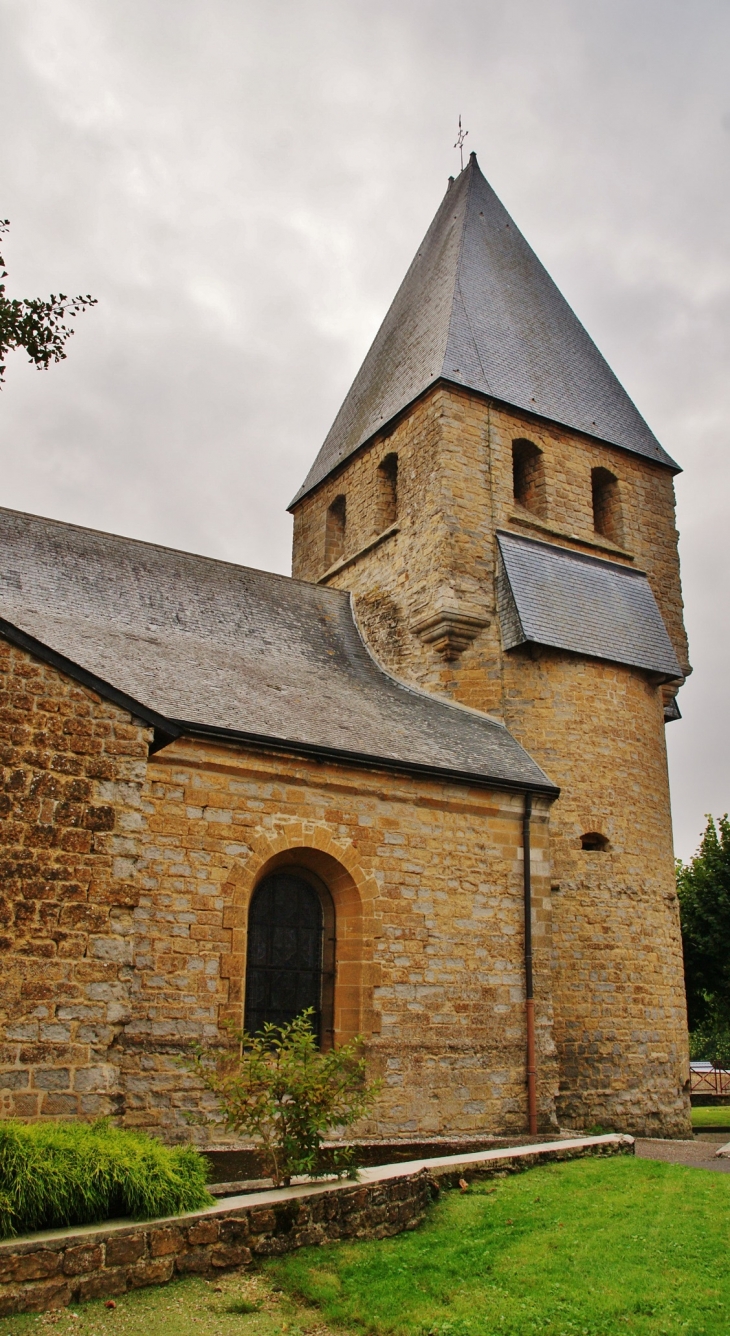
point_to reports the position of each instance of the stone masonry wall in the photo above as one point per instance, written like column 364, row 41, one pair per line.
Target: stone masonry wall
column 427, row 884
column 597, row 729
column 125, row 897
column 42, row 1272
column 454, row 491
column 72, row 772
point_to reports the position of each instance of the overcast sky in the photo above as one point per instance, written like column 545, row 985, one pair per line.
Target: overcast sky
column 243, row 185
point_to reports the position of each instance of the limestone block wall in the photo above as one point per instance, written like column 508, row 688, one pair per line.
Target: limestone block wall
column 455, row 490
column 73, row 767
column 597, row 729
column 618, row 985
column 125, row 892
column 397, row 580
column 427, row 884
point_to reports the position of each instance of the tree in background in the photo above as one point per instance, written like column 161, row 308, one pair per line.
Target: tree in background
column 36, row 323
column 703, row 887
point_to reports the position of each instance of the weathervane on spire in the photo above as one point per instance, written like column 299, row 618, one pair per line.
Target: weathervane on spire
column 460, row 142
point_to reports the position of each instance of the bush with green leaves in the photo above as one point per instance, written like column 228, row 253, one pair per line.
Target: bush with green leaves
column 703, row 888
column 36, row 323
column 58, row 1174
column 277, row 1087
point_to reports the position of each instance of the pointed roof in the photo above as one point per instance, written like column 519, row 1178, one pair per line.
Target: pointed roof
column 477, row 308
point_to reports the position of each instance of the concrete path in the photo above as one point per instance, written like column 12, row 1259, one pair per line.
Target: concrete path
column 697, row 1154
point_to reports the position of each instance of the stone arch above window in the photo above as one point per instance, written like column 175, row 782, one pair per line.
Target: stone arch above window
column 606, row 498
column 335, row 526
column 290, row 960
column 528, row 477
column 593, row 842
column 309, row 847
column 387, row 500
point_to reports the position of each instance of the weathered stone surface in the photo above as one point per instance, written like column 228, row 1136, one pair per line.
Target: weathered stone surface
column 194, row 1262
column 163, row 1242
column 59, row 743
column 611, row 1009
column 150, row 1272
column 77, row 1261
column 124, row 1249
column 38, row 1298
column 30, row 1265
column 112, row 1280
column 230, row 1255
column 203, row 1231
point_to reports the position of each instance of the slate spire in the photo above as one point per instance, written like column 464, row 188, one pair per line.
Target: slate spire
column 477, row 308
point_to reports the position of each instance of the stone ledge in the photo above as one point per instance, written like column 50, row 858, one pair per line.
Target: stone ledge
column 344, row 562
column 598, row 544
column 53, row 1268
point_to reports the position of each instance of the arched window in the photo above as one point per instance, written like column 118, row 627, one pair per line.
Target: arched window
column 606, row 505
column 387, row 492
column 528, row 477
column 290, row 955
column 334, row 538
column 594, row 843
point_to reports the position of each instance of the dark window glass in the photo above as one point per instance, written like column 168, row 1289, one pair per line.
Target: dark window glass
column 284, row 964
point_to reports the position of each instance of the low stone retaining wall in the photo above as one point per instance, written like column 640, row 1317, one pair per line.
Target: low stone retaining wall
column 58, row 1267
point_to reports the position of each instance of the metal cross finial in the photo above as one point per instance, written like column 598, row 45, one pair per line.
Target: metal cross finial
column 460, row 142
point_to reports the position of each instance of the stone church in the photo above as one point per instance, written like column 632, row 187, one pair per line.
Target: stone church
column 420, row 786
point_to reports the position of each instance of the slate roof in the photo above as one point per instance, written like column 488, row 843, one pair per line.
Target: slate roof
column 202, row 646
column 477, row 308
column 552, row 596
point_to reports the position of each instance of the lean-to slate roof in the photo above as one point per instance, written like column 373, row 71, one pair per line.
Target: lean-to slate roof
column 208, row 646
column 552, row 596
column 477, row 308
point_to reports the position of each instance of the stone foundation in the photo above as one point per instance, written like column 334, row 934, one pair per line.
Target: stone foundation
column 58, row 1267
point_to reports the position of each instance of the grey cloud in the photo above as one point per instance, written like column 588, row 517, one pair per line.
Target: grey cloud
column 243, row 186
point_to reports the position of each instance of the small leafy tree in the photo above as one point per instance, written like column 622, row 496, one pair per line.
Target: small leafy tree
column 703, row 887
column 278, row 1087
column 36, row 323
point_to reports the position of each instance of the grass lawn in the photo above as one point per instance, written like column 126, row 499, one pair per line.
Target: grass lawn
column 238, row 1304
column 591, row 1248
column 711, row 1116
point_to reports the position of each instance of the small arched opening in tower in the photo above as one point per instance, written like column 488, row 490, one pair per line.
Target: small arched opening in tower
column 528, row 477
column 334, row 536
column 594, row 843
column 387, row 492
column 607, row 519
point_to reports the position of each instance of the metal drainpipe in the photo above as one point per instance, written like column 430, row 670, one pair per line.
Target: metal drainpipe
column 529, row 995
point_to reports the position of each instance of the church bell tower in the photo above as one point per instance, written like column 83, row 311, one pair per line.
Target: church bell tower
column 504, row 519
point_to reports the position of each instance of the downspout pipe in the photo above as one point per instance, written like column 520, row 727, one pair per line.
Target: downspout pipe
column 529, row 992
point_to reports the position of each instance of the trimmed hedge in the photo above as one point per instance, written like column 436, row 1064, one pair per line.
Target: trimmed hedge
column 58, row 1174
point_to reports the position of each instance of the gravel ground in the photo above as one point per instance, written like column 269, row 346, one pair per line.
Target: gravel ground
column 699, row 1153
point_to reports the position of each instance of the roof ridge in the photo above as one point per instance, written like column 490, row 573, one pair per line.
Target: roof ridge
column 164, row 547
column 460, row 264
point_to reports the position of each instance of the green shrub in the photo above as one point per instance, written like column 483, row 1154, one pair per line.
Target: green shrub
column 279, row 1088
column 710, row 1042
column 57, row 1174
